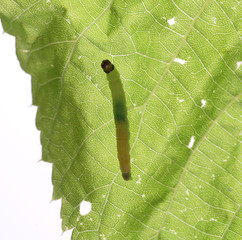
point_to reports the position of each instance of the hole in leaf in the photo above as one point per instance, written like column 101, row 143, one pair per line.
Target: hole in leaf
column 192, row 141
column 85, row 207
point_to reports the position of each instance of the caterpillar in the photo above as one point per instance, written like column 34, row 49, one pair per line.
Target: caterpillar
column 120, row 117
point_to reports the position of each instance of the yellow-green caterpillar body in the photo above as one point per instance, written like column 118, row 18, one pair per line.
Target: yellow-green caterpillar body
column 120, row 117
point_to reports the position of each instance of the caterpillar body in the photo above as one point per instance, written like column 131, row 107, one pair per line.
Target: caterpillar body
column 120, row 117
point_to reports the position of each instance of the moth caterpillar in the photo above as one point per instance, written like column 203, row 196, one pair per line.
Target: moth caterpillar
column 120, row 117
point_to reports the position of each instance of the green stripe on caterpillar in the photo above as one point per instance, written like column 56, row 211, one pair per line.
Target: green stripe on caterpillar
column 120, row 117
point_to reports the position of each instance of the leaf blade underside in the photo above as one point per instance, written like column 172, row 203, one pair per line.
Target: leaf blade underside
column 182, row 81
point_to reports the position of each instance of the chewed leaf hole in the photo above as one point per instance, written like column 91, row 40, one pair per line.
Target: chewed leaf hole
column 85, row 207
column 203, row 102
column 181, row 61
column 192, row 141
column 171, row 21
column 239, row 64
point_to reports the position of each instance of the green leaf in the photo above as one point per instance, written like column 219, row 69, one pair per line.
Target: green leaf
column 180, row 64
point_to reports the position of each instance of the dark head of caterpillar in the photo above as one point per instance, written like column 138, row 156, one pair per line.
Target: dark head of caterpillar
column 107, row 66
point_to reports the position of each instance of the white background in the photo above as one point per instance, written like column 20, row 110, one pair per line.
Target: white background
column 26, row 210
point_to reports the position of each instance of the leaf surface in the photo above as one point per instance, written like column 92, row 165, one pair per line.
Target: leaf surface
column 180, row 64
